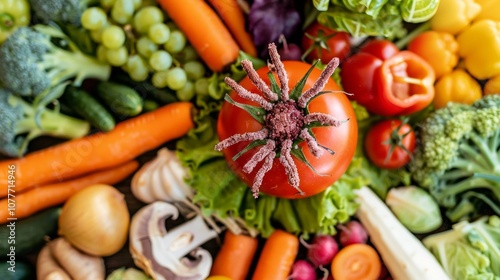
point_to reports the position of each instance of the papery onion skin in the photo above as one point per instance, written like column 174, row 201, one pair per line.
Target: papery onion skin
column 96, row 220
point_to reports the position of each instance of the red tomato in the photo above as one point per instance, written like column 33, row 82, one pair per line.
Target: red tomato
column 386, row 134
column 329, row 168
column 325, row 43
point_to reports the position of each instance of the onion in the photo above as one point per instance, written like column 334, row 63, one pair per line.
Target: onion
column 96, row 220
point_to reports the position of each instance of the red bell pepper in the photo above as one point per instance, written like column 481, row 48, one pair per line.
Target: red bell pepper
column 388, row 81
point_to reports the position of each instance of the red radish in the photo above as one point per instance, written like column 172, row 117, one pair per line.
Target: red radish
column 352, row 233
column 322, row 250
column 302, row 270
column 290, row 52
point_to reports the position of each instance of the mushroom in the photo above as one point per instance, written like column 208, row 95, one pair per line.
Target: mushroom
column 172, row 255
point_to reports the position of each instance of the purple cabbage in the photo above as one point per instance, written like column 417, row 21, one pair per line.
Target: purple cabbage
column 268, row 19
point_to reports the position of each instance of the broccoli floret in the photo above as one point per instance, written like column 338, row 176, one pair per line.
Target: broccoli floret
column 60, row 11
column 34, row 58
column 20, row 122
column 458, row 158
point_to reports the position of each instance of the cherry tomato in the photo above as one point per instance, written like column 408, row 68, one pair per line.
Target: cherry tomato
column 390, row 143
column 342, row 139
column 325, row 43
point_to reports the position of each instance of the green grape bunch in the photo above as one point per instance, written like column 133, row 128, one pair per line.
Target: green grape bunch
column 138, row 37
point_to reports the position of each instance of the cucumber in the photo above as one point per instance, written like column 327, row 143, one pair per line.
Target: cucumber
column 89, row 108
column 121, row 99
column 144, row 88
column 29, row 233
column 21, row 271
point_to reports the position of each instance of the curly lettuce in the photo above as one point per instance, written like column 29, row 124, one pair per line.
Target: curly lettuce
column 374, row 18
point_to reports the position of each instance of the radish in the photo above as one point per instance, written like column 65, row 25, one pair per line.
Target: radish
column 352, row 233
column 302, row 270
column 322, row 250
column 290, row 52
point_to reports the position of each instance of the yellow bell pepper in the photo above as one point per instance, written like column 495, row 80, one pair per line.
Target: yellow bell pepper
column 479, row 46
column 489, row 10
column 457, row 86
column 13, row 14
column 453, row 16
column 492, row 86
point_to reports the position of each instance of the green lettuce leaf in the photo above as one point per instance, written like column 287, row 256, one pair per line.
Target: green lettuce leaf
column 388, row 23
column 374, row 17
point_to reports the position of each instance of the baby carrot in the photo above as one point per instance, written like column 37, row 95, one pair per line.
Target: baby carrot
column 234, row 18
column 205, row 31
column 235, row 256
column 40, row 198
column 129, row 139
column 356, row 262
column 277, row 257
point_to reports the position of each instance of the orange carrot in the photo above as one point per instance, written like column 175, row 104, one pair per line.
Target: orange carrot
column 234, row 18
column 235, row 256
column 126, row 141
column 356, row 262
column 40, row 198
column 277, row 257
column 205, row 31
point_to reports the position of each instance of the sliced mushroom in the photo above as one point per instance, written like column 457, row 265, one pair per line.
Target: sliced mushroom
column 172, row 255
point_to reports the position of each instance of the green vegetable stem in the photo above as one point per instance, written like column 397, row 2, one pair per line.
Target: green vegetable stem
column 20, row 122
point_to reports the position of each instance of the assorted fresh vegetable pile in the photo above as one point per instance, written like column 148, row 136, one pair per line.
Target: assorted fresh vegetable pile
column 232, row 139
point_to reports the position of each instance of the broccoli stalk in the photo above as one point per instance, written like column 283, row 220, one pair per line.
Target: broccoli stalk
column 20, row 122
column 65, row 64
column 459, row 157
column 36, row 58
column 477, row 165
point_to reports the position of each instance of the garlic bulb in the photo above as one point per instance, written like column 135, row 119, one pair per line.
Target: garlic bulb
column 161, row 179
